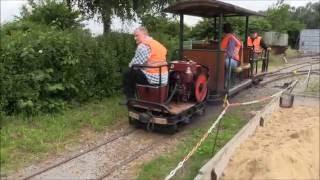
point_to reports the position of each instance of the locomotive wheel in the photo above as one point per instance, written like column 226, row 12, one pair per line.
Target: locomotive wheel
column 134, row 123
column 201, row 87
column 201, row 112
column 172, row 129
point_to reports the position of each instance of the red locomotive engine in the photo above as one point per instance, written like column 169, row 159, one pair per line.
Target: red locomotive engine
column 177, row 101
column 190, row 80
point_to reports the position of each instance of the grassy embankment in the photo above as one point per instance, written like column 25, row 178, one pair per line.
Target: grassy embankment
column 25, row 140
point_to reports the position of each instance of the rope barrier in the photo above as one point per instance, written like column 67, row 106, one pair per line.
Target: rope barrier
column 173, row 172
column 226, row 105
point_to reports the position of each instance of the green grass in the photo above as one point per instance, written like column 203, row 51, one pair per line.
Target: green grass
column 277, row 60
column 161, row 166
column 292, row 53
column 313, row 87
column 24, row 140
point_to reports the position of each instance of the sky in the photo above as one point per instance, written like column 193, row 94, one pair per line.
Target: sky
column 11, row 8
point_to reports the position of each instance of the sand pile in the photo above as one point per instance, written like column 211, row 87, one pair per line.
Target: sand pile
column 287, row 147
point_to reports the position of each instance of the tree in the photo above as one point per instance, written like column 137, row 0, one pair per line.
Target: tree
column 51, row 13
column 164, row 29
column 309, row 15
column 281, row 20
column 205, row 29
column 125, row 9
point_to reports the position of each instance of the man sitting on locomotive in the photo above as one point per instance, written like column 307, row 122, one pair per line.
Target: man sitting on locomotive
column 149, row 52
column 231, row 44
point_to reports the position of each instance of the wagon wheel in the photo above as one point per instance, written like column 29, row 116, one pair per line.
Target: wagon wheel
column 201, row 87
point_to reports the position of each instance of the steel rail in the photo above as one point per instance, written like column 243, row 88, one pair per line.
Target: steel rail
column 291, row 72
column 308, row 62
column 126, row 161
column 288, row 76
column 272, row 73
column 109, row 140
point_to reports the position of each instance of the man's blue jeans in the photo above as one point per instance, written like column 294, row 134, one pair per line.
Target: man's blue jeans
column 234, row 63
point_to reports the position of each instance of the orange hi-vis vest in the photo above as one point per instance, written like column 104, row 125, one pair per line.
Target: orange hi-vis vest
column 157, row 57
column 236, row 50
column 255, row 44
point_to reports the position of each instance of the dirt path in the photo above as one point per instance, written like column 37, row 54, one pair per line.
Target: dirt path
column 99, row 162
column 287, row 147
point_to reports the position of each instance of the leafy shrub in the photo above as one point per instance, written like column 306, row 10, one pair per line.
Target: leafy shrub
column 43, row 67
column 48, row 61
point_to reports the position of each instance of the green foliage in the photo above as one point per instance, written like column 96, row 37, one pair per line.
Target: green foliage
column 309, row 15
column 203, row 30
column 259, row 24
column 313, row 87
column 280, row 19
column 125, row 9
column 42, row 67
column 164, row 30
column 52, row 13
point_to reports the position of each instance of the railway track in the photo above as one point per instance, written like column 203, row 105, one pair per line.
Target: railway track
column 156, row 139
column 131, row 158
column 297, row 69
column 107, row 141
column 105, row 151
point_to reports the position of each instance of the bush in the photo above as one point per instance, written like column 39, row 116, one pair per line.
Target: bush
column 43, row 68
column 48, row 61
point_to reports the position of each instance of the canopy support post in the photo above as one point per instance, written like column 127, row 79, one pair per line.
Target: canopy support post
column 246, row 31
column 181, row 37
column 220, row 54
column 215, row 28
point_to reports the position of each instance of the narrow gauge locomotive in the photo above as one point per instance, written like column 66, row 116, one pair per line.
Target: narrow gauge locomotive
column 199, row 75
column 168, row 104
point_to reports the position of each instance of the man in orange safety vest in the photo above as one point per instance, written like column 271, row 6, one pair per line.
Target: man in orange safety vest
column 256, row 42
column 149, row 53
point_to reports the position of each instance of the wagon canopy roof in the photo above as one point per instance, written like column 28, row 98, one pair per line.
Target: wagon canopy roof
column 208, row 8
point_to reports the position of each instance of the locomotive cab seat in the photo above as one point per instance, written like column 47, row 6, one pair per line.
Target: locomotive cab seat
column 152, row 93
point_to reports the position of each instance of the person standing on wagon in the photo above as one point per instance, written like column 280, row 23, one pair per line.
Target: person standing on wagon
column 257, row 43
column 149, row 52
column 231, row 44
